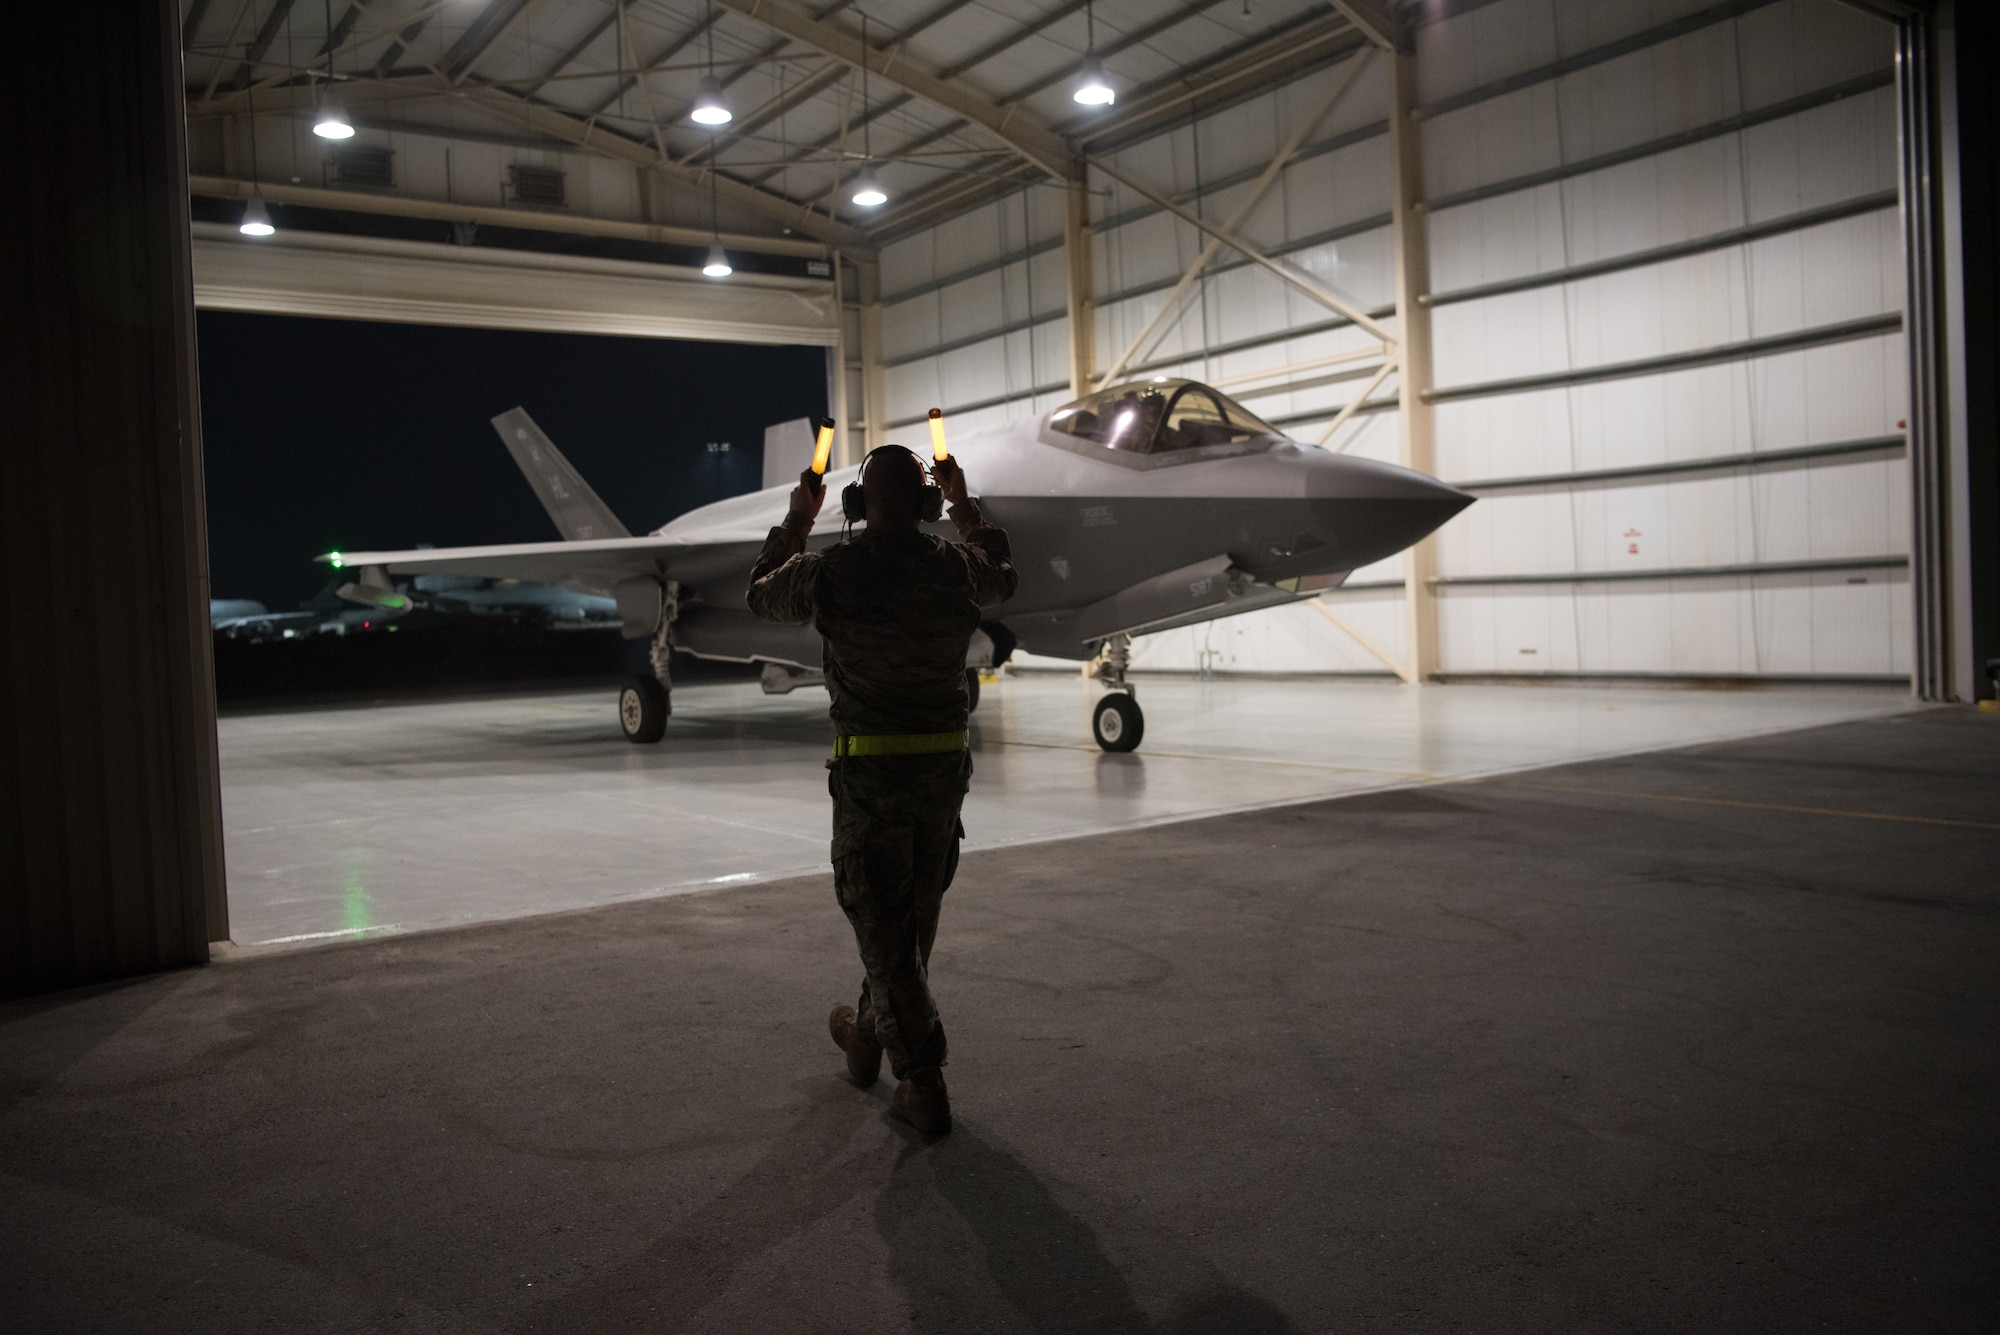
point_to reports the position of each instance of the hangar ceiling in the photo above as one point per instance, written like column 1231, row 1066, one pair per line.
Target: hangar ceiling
column 953, row 102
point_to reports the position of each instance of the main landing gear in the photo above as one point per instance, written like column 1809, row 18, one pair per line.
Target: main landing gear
column 646, row 702
column 1117, row 722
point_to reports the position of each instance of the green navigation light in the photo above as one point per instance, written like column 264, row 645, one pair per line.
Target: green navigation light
column 333, row 559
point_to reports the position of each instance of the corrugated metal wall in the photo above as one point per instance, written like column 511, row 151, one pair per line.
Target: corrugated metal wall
column 1666, row 279
column 110, row 830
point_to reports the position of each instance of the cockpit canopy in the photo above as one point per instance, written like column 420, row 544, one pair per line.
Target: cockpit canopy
column 1160, row 417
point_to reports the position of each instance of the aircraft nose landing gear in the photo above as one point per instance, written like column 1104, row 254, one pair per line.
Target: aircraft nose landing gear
column 1117, row 722
column 642, row 710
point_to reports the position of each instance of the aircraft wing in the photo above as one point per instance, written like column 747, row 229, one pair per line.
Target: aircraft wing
column 600, row 564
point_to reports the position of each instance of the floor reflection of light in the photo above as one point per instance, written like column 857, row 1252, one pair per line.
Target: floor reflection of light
column 355, row 901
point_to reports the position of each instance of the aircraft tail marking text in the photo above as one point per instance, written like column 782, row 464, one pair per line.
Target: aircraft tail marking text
column 579, row 514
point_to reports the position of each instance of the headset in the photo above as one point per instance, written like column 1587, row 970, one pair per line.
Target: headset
column 854, row 506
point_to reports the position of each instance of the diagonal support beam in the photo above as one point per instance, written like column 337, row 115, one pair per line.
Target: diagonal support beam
column 1284, row 272
column 1347, row 628
column 1388, row 368
column 268, row 33
column 1377, row 22
column 1020, row 130
column 479, row 36
column 1171, row 305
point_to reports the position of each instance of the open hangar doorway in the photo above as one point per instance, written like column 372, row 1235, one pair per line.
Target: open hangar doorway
column 325, row 435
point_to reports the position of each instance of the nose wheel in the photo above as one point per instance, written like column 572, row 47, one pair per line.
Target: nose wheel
column 1117, row 722
column 642, row 710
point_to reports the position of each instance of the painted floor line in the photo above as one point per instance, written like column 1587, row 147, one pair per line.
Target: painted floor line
column 342, row 933
column 1729, row 802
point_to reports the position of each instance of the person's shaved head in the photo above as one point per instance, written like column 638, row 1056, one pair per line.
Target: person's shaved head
column 890, row 484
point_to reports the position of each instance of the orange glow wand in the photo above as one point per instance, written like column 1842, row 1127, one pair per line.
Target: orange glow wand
column 823, row 448
column 938, row 450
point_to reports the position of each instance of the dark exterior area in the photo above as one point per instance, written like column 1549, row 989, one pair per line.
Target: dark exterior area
column 331, row 434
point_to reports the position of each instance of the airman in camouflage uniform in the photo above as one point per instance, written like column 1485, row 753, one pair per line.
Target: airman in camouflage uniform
column 896, row 608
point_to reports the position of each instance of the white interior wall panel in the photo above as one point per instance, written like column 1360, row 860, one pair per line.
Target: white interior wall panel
column 1812, row 624
column 1841, row 271
column 1833, row 509
column 1833, row 393
column 1831, row 154
column 1494, row 42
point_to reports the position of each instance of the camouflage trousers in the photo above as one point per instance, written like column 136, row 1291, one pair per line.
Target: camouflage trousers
column 895, row 850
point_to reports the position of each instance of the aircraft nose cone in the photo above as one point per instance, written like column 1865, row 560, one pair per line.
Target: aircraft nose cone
column 1370, row 510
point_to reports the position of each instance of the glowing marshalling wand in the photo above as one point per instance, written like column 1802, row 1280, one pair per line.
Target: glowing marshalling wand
column 938, row 450
column 823, row 448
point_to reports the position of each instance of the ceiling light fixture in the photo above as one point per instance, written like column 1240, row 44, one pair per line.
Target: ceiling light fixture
column 332, row 123
column 709, row 108
column 1091, row 88
column 256, row 220
column 718, row 265
column 867, row 191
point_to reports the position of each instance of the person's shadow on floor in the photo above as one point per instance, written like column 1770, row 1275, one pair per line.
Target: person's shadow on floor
column 1027, row 1259
column 1044, row 1262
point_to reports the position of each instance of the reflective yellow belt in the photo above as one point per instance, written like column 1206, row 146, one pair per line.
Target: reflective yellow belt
column 900, row 744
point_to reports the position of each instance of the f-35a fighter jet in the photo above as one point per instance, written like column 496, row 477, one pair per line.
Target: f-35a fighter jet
column 1140, row 508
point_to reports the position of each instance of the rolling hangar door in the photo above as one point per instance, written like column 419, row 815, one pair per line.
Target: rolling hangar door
column 1682, row 289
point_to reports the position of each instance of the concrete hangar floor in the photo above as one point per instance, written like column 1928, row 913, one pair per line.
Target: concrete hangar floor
column 1695, row 1038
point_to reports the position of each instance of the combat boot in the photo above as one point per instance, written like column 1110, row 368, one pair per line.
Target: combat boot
column 922, row 1104
column 864, row 1054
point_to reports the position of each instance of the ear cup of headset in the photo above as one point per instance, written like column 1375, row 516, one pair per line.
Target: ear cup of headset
column 854, row 502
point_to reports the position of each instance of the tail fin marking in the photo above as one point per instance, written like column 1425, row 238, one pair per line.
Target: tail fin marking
column 578, row 513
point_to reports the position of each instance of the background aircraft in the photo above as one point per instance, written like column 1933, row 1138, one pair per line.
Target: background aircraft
column 1139, row 508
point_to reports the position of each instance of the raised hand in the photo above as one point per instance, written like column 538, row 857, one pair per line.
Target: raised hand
column 809, row 495
column 951, row 480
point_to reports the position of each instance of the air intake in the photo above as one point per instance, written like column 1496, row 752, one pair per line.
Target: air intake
column 364, row 165
column 542, row 186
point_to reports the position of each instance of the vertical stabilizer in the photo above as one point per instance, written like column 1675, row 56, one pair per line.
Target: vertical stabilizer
column 788, row 449
column 578, row 513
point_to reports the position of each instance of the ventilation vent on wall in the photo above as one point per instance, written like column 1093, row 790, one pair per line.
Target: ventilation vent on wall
column 537, row 185
column 364, row 164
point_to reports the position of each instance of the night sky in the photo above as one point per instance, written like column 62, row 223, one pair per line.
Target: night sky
column 325, row 435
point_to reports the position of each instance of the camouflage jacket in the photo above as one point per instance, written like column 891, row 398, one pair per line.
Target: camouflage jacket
column 896, row 613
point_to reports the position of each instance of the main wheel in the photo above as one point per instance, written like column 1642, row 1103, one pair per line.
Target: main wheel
column 642, row 710
column 971, row 688
column 1117, row 723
